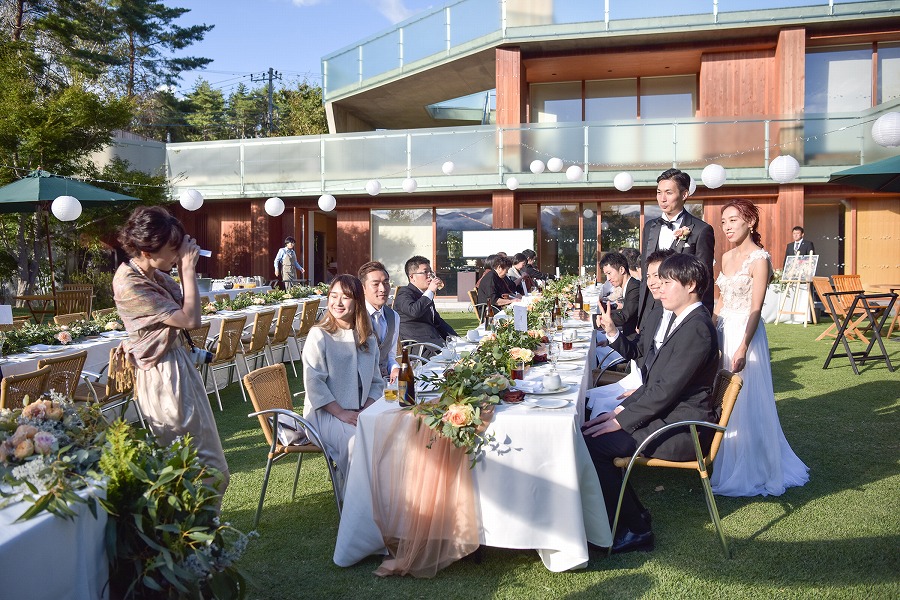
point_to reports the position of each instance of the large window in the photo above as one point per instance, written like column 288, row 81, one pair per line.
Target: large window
column 450, row 223
column 620, row 227
column 610, row 100
column 839, row 80
column 559, row 240
column 399, row 234
column 888, row 72
column 556, row 102
column 668, row 97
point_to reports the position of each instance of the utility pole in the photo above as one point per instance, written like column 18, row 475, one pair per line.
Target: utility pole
column 270, row 76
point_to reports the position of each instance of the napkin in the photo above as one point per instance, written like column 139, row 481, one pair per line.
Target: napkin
column 529, row 386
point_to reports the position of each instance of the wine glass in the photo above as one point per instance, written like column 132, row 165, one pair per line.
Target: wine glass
column 553, row 351
column 451, row 346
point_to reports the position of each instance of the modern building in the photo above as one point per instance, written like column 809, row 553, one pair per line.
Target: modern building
column 493, row 85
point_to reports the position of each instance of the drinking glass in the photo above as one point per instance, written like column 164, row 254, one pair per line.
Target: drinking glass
column 390, row 390
column 518, row 370
column 451, row 346
column 553, row 351
column 568, row 339
column 559, row 323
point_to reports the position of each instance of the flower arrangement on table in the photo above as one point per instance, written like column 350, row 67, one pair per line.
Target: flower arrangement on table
column 776, row 280
column 51, row 334
column 111, row 321
column 305, row 291
column 50, row 450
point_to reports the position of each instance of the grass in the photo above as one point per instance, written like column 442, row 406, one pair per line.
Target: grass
column 836, row 537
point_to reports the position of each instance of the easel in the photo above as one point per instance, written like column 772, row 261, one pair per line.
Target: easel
column 793, row 287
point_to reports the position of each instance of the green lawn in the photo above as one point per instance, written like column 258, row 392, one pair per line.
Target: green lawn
column 836, row 537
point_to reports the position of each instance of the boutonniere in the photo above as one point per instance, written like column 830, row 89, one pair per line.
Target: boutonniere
column 682, row 233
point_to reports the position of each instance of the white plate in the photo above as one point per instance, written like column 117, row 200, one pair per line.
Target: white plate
column 114, row 334
column 571, row 355
column 45, row 349
column 565, row 388
column 548, row 402
column 559, row 367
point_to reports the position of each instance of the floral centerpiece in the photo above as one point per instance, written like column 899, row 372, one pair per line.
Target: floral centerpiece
column 51, row 334
column 110, row 321
column 305, row 291
column 50, row 450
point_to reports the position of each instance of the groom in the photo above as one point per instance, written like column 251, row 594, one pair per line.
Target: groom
column 676, row 229
column 681, row 356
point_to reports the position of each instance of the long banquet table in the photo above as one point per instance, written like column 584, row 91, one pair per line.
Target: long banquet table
column 97, row 348
column 535, row 485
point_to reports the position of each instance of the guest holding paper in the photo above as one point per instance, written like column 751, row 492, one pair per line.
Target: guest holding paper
column 155, row 312
column 340, row 368
column 492, row 289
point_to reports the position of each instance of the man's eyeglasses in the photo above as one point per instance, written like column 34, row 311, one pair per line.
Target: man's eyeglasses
column 428, row 273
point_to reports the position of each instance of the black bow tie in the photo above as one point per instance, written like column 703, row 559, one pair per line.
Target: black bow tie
column 669, row 224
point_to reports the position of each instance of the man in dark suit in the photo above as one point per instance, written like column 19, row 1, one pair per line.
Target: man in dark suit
column 676, row 229
column 681, row 355
column 419, row 319
column 800, row 246
column 624, row 310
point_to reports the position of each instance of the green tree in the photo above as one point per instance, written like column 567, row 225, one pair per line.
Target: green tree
column 206, row 115
column 246, row 112
column 300, row 111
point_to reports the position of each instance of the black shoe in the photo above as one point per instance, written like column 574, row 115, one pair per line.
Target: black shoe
column 631, row 542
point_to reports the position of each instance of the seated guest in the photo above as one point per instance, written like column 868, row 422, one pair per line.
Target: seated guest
column 515, row 271
column 679, row 369
column 340, row 368
column 624, row 311
column 419, row 319
column 493, row 289
column 633, row 256
column 529, row 268
column 385, row 322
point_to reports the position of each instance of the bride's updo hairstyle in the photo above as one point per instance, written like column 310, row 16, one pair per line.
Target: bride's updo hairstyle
column 149, row 229
column 750, row 214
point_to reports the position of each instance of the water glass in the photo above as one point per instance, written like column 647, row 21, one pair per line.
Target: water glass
column 451, row 346
column 568, row 339
column 390, row 390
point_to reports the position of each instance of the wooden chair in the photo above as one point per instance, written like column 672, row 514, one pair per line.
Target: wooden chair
column 116, row 392
column 725, row 393
column 14, row 388
column 853, row 283
column 78, row 287
column 222, row 297
column 284, row 329
column 394, row 297
column 272, row 403
column 70, row 318
column 23, row 319
column 225, row 345
column 823, row 287
column 308, row 318
column 74, row 301
column 102, row 312
column 254, row 346
column 65, row 372
column 199, row 336
column 14, row 326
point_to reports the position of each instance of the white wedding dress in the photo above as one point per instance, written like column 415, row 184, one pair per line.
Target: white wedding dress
column 754, row 459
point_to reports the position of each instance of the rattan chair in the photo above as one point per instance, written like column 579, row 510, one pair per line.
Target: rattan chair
column 394, row 297
column 253, row 347
column 222, row 297
column 14, row 388
column 102, row 312
column 65, row 372
column 725, row 393
column 199, row 336
column 70, row 318
column 284, row 330
column 225, row 345
column 116, row 392
column 308, row 318
column 271, row 398
column 74, row 301
column 15, row 325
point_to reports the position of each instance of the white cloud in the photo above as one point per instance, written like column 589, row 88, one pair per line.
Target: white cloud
column 394, row 10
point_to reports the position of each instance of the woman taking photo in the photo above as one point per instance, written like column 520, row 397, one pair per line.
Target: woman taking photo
column 754, row 458
column 340, row 368
column 168, row 388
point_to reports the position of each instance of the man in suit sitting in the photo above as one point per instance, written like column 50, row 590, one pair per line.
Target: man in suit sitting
column 385, row 322
column 800, row 246
column 676, row 229
column 681, row 356
column 625, row 309
column 419, row 319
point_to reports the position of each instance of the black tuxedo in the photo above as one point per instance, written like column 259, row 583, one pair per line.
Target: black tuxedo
column 626, row 316
column 419, row 319
column 678, row 382
column 805, row 248
column 700, row 242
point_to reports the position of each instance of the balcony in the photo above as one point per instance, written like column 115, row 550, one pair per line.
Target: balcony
column 485, row 156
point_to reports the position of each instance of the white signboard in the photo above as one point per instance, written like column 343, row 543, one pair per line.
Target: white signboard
column 479, row 244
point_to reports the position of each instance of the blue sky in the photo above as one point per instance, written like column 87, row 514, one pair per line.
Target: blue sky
column 291, row 36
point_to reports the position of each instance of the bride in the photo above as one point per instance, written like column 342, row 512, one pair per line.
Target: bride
column 754, row 458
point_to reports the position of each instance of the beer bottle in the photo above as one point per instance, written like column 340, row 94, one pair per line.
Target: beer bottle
column 406, row 382
column 579, row 298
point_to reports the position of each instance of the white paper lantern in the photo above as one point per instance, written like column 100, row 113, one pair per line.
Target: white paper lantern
column 373, row 187
column 588, row 213
column 274, row 207
column 693, row 187
column 555, row 165
column 512, row 183
column 784, row 168
column 713, row 176
column 574, row 173
column 448, row 167
column 409, row 185
column 327, row 202
column 886, row 130
column 66, row 208
column 623, row 181
column 191, row 199
column 537, row 167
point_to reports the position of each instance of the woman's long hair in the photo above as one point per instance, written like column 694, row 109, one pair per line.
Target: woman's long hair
column 750, row 214
column 362, row 326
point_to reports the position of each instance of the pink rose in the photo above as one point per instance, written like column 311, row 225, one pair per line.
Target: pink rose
column 64, row 337
column 36, row 411
column 44, row 442
column 459, row 415
column 24, row 449
column 24, row 432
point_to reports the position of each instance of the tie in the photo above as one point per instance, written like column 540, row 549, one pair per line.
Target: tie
column 378, row 325
column 796, row 247
column 669, row 224
column 669, row 327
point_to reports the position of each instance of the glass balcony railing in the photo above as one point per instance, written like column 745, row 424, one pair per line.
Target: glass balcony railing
column 460, row 26
column 485, row 156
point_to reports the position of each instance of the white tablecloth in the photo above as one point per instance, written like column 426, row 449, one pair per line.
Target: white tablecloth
column 52, row 558
column 535, row 485
column 97, row 349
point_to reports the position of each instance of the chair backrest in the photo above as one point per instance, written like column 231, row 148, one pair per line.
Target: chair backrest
column 198, row 335
column 308, row 317
column 262, row 323
column 120, row 376
column 13, row 326
column 102, row 312
column 204, row 300
column 822, row 287
column 473, row 297
column 847, row 283
column 65, row 371
column 70, row 318
column 394, row 297
column 725, row 392
column 14, row 388
column 222, row 297
column 74, row 301
column 268, row 388
column 284, row 323
column 229, row 339
column 77, row 287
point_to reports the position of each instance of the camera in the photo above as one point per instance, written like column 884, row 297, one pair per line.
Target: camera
column 201, row 356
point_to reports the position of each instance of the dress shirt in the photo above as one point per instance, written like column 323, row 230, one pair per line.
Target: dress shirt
column 666, row 234
column 382, row 321
column 796, row 247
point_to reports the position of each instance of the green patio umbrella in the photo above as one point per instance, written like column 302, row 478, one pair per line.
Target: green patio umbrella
column 881, row 176
column 37, row 190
